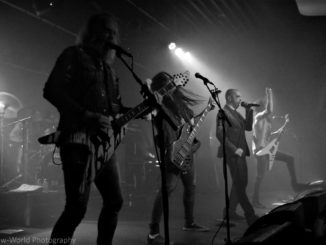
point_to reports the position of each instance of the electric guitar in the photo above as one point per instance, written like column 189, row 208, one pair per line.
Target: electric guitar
column 271, row 148
column 115, row 134
column 183, row 146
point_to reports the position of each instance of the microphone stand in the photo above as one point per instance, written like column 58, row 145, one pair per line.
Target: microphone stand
column 2, row 113
column 2, row 142
column 221, row 114
column 149, row 96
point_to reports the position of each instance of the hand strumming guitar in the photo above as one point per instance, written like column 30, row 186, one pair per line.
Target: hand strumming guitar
column 97, row 120
column 287, row 119
column 195, row 145
column 239, row 152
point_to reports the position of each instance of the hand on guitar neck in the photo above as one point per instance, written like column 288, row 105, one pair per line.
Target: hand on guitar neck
column 195, row 145
column 271, row 148
column 97, row 120
column 280, row 130
column 239, row 152
column 183, row 146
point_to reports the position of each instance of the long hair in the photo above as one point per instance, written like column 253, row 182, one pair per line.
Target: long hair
column 179, row 100
column 262, row 105
column 94, row 26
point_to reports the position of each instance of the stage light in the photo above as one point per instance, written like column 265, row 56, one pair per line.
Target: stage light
column 278, row 203
column 185, row 56
column 316, row 182
column 43, row 6
column 179, row 52
column 2, row 106
column 172, row 46
column 151, row 155
column 188, row 56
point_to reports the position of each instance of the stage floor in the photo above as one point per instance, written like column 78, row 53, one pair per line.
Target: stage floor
column 133, row 220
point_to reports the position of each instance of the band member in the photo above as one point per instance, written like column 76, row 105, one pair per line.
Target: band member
column 176, row 104
column 237, row 150
column 262, row 135
column 85, row 90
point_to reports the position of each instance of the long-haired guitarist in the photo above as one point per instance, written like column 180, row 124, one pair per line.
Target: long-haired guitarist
column 177, row 112
column 84, row 89
column 265, row 146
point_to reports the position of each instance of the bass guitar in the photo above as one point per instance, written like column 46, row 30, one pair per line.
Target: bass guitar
column 271, row 148
column 183, row 146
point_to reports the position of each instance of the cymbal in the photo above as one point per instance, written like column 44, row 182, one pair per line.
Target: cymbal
column 9, row 105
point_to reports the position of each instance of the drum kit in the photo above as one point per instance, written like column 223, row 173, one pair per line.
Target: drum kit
column 138, row 166
column 23, row 159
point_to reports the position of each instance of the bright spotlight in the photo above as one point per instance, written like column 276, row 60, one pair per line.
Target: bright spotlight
column 188, row 56
column 172, row 46
column 179, row 52
column 185, row 56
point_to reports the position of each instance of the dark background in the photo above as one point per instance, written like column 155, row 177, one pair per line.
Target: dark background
column 248, row 45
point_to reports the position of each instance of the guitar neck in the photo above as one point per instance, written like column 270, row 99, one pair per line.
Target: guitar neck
column 132, row 113
column 278, row 137
column 194, row 131
column 180, row 79
column 281, row 131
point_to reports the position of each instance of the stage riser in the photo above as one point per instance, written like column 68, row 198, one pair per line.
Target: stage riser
column 31, row 209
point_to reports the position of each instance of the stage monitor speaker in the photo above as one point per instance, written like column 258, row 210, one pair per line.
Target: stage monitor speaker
column 33, row 209
column 271, row 234
column 290, row 212
column 292, row 222
column 313, row 202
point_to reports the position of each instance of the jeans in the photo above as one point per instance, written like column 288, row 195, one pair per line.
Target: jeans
column 172, row 177
column 262, row 165
column 74, row 159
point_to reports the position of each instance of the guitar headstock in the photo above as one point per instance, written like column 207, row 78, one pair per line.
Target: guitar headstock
column 181, row 79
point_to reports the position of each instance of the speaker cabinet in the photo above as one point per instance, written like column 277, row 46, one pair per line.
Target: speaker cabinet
column 293, row 222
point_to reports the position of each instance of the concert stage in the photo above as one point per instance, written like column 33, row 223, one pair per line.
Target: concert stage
column 32, row 216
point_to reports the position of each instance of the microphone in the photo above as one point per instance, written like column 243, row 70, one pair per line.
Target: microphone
column 248, row 105
column 197, row 75
column 118, row 49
